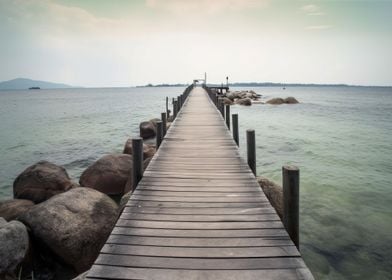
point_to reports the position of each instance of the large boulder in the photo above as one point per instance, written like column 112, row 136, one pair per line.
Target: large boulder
column 148, row 149
column 147, row 130
column 290, row 100
column 109, row 174
column 73, row 225
column 227, row 101
column 42, row 181
column 12, row 208
column 276, row 101
column 244, row 101
column 274, row 193
column 14, row 246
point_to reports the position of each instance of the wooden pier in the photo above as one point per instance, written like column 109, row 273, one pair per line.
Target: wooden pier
column 198, row 212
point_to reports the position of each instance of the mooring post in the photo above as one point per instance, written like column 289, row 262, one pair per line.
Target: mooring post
column 175, row 109
column 159, row 133
column 235, row 128
column 290, row 176
column 167, row 107
column 137, row 161
column 251, row 149
column 178, row 104
column 164, row 124
column 228, row 116
column 216, row 100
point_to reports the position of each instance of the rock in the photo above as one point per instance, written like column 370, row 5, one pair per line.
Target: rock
column 290, row 100
column 154, row 122
column 279, row 101
column 42, row 181
column 147, row 130
column 73, row 225
column 109, row 174
column 148, row 149
column 227, row 101
column 12, row 208
column 274, row 193
column 275, row 101
column 14, row 245
column 244, row 101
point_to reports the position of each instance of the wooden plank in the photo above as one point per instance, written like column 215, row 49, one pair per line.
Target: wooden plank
column 200, row 242
column 121, row 272
column 210, row 252
column 201, row 211
column 200, row 263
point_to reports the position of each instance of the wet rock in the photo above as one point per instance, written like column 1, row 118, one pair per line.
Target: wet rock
column 12, row 208
column 148, row 149
column 276, row 101
column 14, row 245
column 290, row 100
column 244, row 101
column 109, row 174
column 274, row 193
column 73, row 225
column 42, row 181
column 227, row 101
column 147, row 130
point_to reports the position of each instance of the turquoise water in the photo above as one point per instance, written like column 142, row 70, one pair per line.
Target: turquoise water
column 340, row 137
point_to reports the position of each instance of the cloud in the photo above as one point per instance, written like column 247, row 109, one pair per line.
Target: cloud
column 206, row 6
column 318, row 27
column 312, row 10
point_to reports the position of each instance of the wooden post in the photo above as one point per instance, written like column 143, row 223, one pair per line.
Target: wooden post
column 164, row 124
column 290, row 176
column 137, row 161
column 235, row 128
column 178, row 104
column 228, row 116
column 159, row 133
column 216, row 100
column 175, row 109
column 167, row 107
column 251, row 149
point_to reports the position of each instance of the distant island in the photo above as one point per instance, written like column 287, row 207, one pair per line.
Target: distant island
column 264, row 84
column 22, row 83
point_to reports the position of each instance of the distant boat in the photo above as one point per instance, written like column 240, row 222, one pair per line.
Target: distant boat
column 34, row 88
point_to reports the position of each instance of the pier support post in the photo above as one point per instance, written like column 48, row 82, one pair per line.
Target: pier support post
column 251, row 149
column 164, row 124
column 290, row 176
column 228, row 116
column 159, row 133
column 167, row 107
column 137, row 161
column 235, row 128
column 175, row 107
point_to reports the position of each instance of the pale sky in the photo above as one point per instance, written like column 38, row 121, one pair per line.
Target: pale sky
column 126, row 43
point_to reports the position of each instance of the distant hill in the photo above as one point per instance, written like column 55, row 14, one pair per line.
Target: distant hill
column 22, row 83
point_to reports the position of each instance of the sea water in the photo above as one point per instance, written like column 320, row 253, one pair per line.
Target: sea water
column 339, row 137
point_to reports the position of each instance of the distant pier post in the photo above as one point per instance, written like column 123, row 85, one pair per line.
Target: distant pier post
column 175, row 107
column 167, row 107
column 137, row 161
column 290, row 176
column 164, row 124
column 251, row 149
column 235, row 128
column 159, row 133
column 228, row 116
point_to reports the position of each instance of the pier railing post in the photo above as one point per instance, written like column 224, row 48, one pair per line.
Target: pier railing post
column 137, row 161
column 175, row 107
column 167, row 107
column 159, row 133
column 251, row 149
column 235, row 128
column 290, row 176
column 227, row 116
column 164, row 124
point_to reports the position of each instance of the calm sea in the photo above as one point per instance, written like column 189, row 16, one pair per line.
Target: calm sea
column 340, row 137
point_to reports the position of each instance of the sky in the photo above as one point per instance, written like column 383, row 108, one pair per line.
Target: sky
column 99, row 43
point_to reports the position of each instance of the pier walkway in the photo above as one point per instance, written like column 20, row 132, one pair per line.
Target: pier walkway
column 198, row 212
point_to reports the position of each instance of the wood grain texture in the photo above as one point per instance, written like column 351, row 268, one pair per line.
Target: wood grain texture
column 198, row 212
